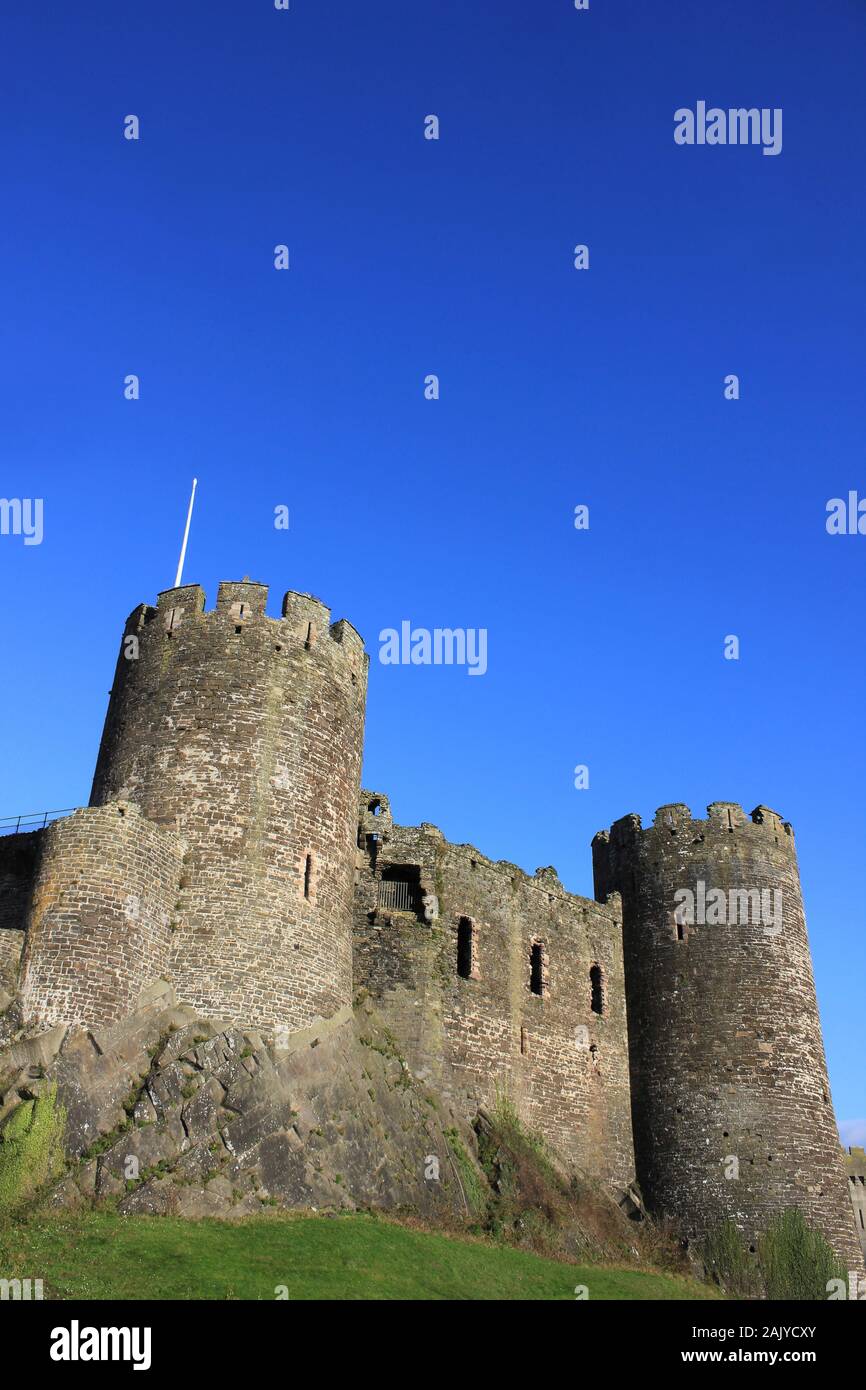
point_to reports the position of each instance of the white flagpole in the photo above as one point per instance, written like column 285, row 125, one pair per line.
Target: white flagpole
column 185, row 536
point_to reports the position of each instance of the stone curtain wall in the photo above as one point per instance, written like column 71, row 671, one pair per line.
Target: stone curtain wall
column 245, row 734
column 18, row 859
column 855, row 1168
column 100, row 917
column 564, row 1066
column 727, row 1057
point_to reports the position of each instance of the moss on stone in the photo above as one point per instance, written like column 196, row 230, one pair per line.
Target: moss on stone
column 31, row 1149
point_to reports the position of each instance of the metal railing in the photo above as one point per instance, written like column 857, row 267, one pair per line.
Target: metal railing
column 33, row 820
column 399, row 895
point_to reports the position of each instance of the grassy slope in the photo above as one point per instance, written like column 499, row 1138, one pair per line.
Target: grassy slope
column 100, row 1255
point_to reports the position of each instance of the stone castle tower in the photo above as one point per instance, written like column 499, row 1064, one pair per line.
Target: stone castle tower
column 730, row 1095
column 238, row 739
column 229, row 851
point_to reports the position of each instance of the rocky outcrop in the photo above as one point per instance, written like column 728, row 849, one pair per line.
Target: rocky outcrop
column 170, row 1112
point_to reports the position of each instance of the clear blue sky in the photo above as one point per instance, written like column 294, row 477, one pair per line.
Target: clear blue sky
column 558, row 387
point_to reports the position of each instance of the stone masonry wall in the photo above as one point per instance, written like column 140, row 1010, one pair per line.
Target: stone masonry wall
column 11, row 946
column 731, row 1102
column 245, row 733
column 855, row 1168
column 564, row 1066
column 100, row 917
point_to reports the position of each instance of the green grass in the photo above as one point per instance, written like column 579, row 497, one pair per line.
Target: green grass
column 100, row 1255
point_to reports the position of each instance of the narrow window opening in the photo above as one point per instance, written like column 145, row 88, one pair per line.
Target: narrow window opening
column 862, row 1227
column 308, row 875
column 238, row 629
column 597, row 994
column 524, row 1043
column 536, row 969
column 464, row 948
column 681, row 932
column 309, row 638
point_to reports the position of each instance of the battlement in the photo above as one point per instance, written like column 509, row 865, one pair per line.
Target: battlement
column 375, row 818
column 243, row 602
column 675, row 819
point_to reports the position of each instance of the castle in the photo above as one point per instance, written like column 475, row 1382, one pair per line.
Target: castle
column 229, row 849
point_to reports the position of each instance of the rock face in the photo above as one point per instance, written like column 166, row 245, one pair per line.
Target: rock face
column 170, row 1112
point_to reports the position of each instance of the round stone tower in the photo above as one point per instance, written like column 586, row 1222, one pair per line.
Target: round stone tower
column 730, row 1097
column 244, row 734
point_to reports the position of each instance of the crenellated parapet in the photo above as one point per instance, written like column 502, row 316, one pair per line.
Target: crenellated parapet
column 722, row 818
column 241, row 609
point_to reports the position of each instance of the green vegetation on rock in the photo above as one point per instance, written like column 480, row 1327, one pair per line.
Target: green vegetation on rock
column 729, row 1262
column 793, row 1262
column 31, row 1152
column 796, row 1262
column 475, row 1192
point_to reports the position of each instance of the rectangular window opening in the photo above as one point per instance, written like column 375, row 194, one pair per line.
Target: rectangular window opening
column 536, row 969
column 400, row 887
column 464, row 948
